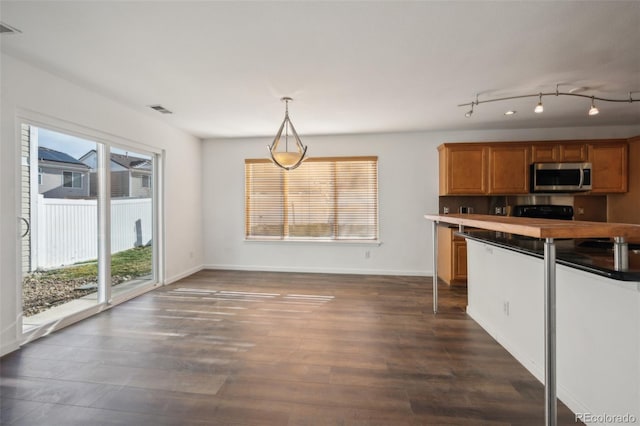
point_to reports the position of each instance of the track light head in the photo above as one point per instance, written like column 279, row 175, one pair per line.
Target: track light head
column 539, row 108
column 470, row 112
column 593, row 110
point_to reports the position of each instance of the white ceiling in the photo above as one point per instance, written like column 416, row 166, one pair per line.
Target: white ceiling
column 351, row 67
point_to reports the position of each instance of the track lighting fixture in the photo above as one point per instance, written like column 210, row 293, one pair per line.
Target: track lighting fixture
column 540, row 108
column 286, row 159
column 593, row 110
column 470, row 112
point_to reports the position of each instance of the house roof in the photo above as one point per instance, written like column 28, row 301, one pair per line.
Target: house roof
column 125, row 160
column 49, row 154
column 131, row 162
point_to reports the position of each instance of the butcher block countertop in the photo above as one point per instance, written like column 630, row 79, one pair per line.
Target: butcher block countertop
column 541, row 228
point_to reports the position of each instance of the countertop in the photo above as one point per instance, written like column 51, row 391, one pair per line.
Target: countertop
column 541, row 228
column 511, row 232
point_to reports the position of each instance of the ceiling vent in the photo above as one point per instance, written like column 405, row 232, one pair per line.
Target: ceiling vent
column 8, row 29
column 160, row 109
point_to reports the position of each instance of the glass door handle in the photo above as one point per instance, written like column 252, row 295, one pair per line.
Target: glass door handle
column 26, row 232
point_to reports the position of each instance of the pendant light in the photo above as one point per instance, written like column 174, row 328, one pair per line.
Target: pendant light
column 286, row 159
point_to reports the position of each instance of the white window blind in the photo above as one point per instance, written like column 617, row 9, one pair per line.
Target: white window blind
column 333, row 198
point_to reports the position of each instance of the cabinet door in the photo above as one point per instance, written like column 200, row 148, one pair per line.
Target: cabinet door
column 609, row 162
column 445, row 250
column 544, row 153
column 460, row 260
column 509, row 169
column 552, row 152
column 573, row 152
column 464, row 168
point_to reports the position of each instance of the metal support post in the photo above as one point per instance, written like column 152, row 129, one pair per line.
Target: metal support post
column 550, row 399
column 620, row 254
column 434, row 227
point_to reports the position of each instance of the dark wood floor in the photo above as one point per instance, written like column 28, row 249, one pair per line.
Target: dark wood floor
column 248, row 348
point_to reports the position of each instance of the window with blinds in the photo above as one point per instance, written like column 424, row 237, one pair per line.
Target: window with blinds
column 332, row 198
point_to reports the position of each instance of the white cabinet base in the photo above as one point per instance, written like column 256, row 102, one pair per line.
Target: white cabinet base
column 598, row 327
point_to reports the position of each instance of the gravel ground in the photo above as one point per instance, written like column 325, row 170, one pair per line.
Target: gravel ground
column 41, row 292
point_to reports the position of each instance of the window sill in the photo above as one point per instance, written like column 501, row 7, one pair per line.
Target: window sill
column 319, row 241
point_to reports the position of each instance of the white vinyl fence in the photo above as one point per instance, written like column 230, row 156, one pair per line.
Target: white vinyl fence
column 66, row 231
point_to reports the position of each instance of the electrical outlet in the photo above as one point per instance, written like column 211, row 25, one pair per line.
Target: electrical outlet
column 445, row 210
column 505, row 307
column 367, row 254
column 580, row 210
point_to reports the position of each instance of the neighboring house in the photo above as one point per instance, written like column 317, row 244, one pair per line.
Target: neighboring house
column 61, row 176
column 130, row 175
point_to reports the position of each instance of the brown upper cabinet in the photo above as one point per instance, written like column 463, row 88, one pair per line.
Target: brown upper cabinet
column 559, row 152
column 508, row 169
column 463, row 169
column 502, row 168
column 609, row 166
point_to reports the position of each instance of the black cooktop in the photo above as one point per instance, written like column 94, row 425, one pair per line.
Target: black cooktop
column 590, row 255
column 543, row 211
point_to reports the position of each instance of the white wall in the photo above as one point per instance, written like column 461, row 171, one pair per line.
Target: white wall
column 408, row 182
column 27, row 90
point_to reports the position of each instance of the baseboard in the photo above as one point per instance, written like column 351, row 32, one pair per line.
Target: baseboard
column 317, row 270
column 184, row 274
column 9, row 347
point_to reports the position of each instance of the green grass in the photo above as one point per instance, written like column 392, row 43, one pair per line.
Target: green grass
column 135, row 262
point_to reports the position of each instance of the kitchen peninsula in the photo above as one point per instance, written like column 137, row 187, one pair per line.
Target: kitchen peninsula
column 528, row 299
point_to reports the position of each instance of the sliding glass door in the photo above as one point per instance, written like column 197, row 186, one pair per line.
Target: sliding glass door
column 132, row 189
column 88, row 217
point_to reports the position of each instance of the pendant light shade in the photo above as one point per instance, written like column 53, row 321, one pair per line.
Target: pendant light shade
column 286, row 159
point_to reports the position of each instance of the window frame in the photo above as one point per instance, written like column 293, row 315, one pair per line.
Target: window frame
column 336, row 213
column 73, row 180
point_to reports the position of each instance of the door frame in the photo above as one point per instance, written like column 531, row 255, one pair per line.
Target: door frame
column 105, row 142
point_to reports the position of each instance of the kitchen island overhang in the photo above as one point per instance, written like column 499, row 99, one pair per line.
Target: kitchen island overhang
column 548, row 230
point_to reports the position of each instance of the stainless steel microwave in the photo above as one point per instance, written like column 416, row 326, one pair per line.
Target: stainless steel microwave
column 560, row 177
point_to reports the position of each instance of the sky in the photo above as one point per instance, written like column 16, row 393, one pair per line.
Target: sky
column 72, row 145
